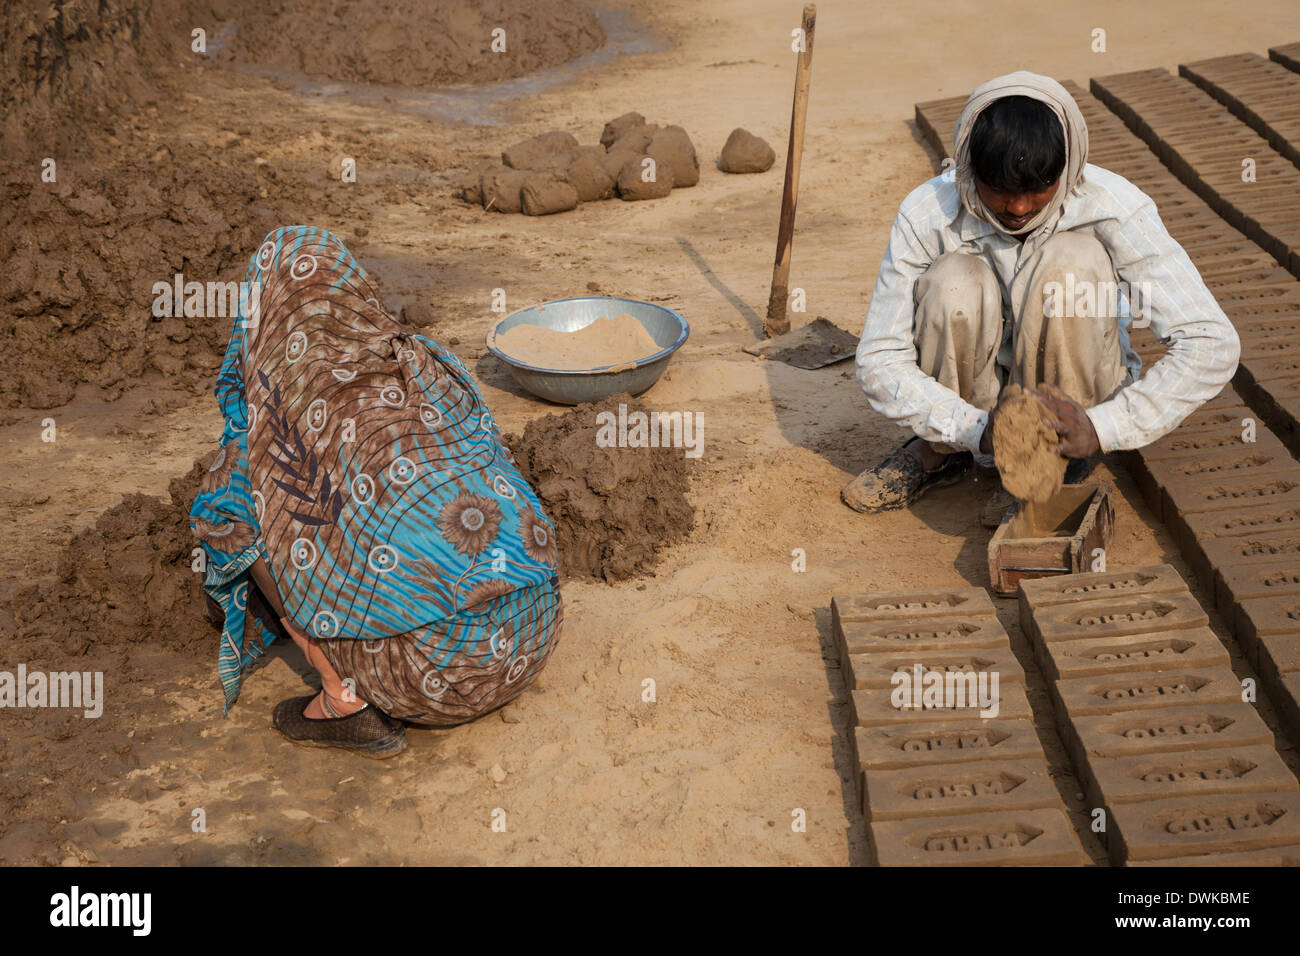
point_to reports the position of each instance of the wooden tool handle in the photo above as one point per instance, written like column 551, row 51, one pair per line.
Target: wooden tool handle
column 777, row 321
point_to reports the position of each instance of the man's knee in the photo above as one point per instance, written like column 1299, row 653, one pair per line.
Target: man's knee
column 956, row 287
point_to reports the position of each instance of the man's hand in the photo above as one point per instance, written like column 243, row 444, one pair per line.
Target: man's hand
column 1070, row 419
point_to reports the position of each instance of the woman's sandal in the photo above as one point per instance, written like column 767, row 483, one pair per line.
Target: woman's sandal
column 369, row 732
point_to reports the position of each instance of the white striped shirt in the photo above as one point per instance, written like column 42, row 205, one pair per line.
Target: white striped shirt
column 1203, row 347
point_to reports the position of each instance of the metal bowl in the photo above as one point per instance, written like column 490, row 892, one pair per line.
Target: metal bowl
column 573, row 386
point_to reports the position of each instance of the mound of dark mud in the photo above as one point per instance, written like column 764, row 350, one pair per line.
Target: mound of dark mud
column 614, row 508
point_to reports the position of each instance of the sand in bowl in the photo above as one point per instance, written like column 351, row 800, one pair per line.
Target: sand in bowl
column 1025, row 450
column 617, row 342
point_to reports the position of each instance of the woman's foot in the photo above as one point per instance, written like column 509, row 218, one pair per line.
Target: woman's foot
column 323, row 706
column 368, row 731
column 903, row 477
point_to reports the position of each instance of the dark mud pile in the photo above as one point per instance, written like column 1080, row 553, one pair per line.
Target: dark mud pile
column 615, row 509
column 82, row 257
column 409, row 42
column 126, row 580
column 128, row 606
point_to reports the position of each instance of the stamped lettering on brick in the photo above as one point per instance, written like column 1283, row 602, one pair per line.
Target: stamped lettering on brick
column 1193, row 821
column 1123, row 584
column 1281, row 546
column 958, row 741
column 969, row 784
column 1152, row 613
column 1155, row 688
column 948, row 632
column 1142, row 652
column 1280, row 579
column 1152, row 728
column 1226, row 767
column 975, row 840
column 1214, row 467
column 1263, row 489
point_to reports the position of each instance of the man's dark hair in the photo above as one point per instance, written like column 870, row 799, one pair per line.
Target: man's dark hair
column 1017, row 145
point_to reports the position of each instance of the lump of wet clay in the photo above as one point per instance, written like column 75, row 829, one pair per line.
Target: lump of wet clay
column 618, row 126
column 500, row 189
column 632, row 184
column 544, row 193
column 1025, row 447
column 552, row 163
column 746, row 153
column 527, row 153
column 670, row 146
column 590, row 177
column 637, row 139
column 616, row 159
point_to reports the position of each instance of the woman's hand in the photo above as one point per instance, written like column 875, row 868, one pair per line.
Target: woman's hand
column 1070, row 419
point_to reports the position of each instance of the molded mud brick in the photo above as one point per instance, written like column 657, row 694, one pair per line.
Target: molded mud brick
column 1144, row 690
column 1068, row 588
column 1192, row 495
column 1196, row 825
column 1116, row 616
column 1222, row 416
column 1185, row 648
column 1249, row 461
column 957, row 741
column 1286, row 698
column 957, row 789
column 1279, row 655
column 1195, row 772
column 870, row 671
column 1234, row 583
column 1258, row 617
column 908, row 605
column 1233, row 523
column 874, row 708
column 927, row 634
column 1006, row 838
column 1273, row 856
column 1164, row 730
column 1223, row 441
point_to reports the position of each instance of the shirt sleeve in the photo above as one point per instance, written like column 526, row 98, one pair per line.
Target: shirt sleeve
column 1166, row 292
column 887, row 370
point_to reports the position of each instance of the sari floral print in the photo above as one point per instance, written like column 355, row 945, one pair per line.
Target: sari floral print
column 361, row 462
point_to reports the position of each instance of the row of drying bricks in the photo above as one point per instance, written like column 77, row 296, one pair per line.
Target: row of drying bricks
column 1175, row 761
column 944, row 786
column 1233, row 507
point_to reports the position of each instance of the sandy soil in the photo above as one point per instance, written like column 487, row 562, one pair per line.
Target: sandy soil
column 750, row 718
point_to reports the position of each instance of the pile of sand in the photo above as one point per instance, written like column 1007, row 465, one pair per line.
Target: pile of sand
column 552, row 172
column 617, row 342
column 409, row 42
column 614, row 509
column 1025, row 447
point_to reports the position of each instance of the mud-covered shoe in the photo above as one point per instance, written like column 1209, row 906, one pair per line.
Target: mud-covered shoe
column 369, row 732
column 899, row 480
column 996, row 508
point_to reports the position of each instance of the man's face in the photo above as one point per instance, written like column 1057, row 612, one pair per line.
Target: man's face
column 1014, row 210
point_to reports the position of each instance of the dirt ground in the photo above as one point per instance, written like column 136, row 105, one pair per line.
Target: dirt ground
column 750, row 720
